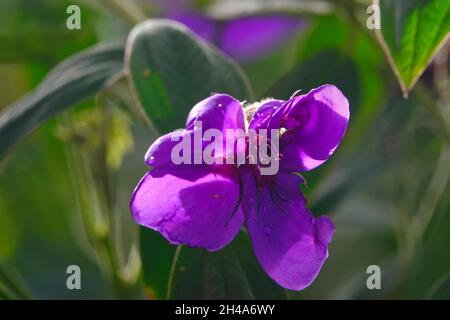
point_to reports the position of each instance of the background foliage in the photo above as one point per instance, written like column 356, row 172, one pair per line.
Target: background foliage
column 72, row 149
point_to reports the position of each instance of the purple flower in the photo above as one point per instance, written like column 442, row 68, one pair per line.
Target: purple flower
column 243, row 38
column 206, row 205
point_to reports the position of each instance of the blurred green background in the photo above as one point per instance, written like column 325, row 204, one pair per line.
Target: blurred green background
column 393, row 166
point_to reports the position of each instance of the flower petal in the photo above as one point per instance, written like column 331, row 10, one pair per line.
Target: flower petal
column 250, row 195
column 160, row 151
column 267, row 116
column 193, row 205
column 223, row 113
column 245, row 38
column 290, row 244
column 316, row 123
column 199, row 24
column 219, row 111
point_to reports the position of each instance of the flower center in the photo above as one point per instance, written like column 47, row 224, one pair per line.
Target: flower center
column 262, row 180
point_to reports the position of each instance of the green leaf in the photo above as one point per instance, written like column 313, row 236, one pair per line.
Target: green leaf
column 171, row 70
column 199, row 274
column 68, row 84
column 231, row 273
column 157, row 255
column 411, row 34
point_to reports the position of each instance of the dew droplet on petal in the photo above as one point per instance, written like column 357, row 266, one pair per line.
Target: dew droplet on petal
column 267, row 230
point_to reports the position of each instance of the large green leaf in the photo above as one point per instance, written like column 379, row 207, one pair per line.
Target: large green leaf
column 69, row 83
column 411, row 34
column 171, row 70
column 231, row 273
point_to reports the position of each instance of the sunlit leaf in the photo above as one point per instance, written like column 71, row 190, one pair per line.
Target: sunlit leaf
column 411, row 34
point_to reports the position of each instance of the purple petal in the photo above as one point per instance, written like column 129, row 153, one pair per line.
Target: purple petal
column 315, row 123
column 290, row 244
column 249, row 37
column 250, row 195
column 193, row 205
column 199, row 24
column 222, row 112
column 219, row 111
column 267, row 116
column 160, row 151
column 243, row 38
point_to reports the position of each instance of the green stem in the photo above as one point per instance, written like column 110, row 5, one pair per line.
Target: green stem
column 429, row 102
column 5, row 293
column 172, row 272
column 434, row 193
column 97, row 218
column 10, row 288
column 437, row 285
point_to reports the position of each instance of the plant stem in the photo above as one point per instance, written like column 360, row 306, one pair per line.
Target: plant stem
column 5, row 294
column 429, row 102
column 172, row 272
column 10, row 288
column 437, row 285
column 434, row 192
column 96, row 211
